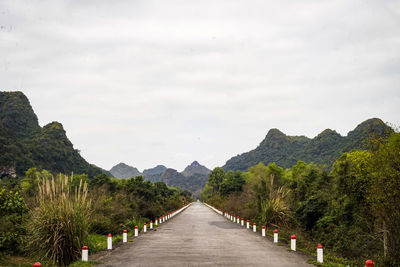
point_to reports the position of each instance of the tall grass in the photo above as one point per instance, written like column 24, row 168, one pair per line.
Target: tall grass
column 59, row 224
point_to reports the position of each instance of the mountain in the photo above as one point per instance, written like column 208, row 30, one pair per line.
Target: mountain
column 194, row 182
column 122, row 170
column 195, row 168
column 193, row 178
column 325, row 148
column 154, row 174
column 24, row 144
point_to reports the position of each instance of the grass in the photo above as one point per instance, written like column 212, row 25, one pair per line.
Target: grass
column 99, row 242
column 16, row 261
column 59, row 225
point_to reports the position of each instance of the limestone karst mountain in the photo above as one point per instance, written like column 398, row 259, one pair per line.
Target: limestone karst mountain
column 325, row 148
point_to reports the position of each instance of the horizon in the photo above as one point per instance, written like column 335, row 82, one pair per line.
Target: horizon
column 155, row 82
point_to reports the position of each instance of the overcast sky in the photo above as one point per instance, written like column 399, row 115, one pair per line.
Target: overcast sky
column 170, row 82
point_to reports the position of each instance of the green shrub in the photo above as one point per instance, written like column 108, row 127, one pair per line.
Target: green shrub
column 12, row 211
column 59, row 225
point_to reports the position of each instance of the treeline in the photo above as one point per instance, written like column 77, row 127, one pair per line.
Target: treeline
column 53, row 217
column 353, row 210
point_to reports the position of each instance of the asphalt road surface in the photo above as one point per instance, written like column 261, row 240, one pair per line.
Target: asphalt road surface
column 200, row 237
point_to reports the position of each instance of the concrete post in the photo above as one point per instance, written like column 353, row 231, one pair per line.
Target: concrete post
column 85, row 253
column 234, row 219
column 247, row 224
column 125, row 236
column 263, row 231
column 254, row 227
column 320, row 254
column 276, row 236
column 238, row 220
column 136, row 231
column 242, row 222
column 109, row 242
column 293, row 243
column 145, row 227
column 151, row 224
column 156, row 222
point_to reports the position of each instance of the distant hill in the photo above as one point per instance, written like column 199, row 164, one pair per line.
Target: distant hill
column 195, row 168
column 325, row 148
column 24, row 144
column 193, row 178
column 122, row 170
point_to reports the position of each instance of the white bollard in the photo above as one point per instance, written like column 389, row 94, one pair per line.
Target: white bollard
column 125, row 236
column 263, row 231
column 320, row 254
column 254, row 227
column 151, row 224
column 156, row 222
column 238, row 220
column 234, row 219
column 145, row 227
column 276, row 236
column 109, row 241
column 231, row 217
column 242, row 222
column 293, row 243
column 247, row 224
column 85, row 254
column 136, row 231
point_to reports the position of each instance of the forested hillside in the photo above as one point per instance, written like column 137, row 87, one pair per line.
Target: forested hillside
column 325, row 148
column 24, row 144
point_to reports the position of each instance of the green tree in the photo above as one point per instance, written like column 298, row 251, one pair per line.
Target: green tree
column 12, row 214
column 384, row 195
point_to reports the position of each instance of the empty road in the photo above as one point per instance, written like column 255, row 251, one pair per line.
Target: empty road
column 200, row 237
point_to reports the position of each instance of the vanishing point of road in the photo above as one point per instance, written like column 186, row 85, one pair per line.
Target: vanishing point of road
column 200, row 237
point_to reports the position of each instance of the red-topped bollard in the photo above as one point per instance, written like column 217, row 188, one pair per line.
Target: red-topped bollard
column 276, row 236
column 109, row 241
column 145, row 227
column 125, row 236
column 85, row 253
column 136, row 231
column 369, row 263
column 293, row 243
column 234, row 218
column 320, row 254
column 263, row 230
column 238, row 220
column 242, row 222
column 151, row 224
column 156, row 222
column 247, row 224
column 254, row 227
column 37, row 264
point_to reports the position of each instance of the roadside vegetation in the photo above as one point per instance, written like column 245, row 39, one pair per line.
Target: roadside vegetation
column 352, row 209
column 49, row 218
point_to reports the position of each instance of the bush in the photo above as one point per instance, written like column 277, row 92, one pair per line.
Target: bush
column 59, row 225
column 12, row 211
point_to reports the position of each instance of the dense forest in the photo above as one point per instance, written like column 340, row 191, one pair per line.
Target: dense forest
column 24, row 144
column 50, row 219
column 352, row 209
column 325, row 148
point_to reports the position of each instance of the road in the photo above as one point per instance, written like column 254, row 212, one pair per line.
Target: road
column 200, row 237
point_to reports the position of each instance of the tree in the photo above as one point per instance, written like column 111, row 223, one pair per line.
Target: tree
column 384, row 195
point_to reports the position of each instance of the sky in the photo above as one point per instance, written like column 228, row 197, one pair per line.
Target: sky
column 169, row 82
